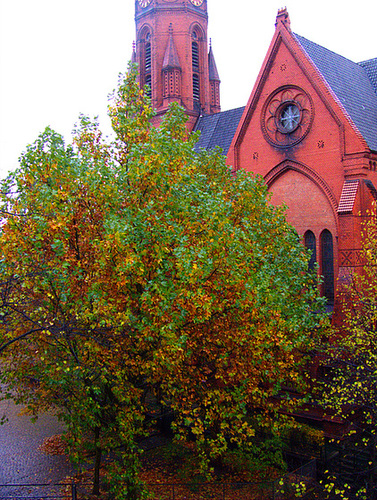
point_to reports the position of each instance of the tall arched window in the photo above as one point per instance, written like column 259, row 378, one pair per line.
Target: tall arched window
column 146, row 63
column 310, row 244
column 195, row 69
column 327, row 261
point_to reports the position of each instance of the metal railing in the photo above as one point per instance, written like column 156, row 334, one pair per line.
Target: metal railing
column 297, row 484
column 38, row 491
column 300, row 483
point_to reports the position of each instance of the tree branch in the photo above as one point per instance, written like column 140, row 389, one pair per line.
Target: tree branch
column 10, row 342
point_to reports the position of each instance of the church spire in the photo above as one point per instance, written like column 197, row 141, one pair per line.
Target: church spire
column 171, row 59
column 133, row 57
column 172, row 73
column 213, row 73
column 214, row 82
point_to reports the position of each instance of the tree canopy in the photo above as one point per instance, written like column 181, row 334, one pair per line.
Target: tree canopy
column 136, row 272
column 350, row 384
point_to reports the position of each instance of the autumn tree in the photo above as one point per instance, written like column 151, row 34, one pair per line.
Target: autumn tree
column 350, row 386
column 136, row 270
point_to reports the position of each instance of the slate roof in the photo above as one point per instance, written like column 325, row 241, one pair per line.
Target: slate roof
column 354, row 84
column 370, row 67
column 218, row 129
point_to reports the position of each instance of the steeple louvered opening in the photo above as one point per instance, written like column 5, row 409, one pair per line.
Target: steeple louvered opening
column 145, row 43
column 195, row 53
column 148, row 57
column 195, row 56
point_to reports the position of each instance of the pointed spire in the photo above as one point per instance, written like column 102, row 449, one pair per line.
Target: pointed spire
column 133, row 57
column 213, row 73
column 171, row 59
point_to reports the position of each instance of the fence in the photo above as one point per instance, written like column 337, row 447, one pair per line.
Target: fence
column 298, row 484
column 58, row 491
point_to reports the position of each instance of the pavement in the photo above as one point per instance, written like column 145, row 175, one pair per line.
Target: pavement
column 20, row 460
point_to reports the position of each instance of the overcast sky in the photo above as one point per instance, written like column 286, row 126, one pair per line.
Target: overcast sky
column 60, row 58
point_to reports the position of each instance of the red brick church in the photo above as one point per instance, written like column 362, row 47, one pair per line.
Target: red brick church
column 309, row 127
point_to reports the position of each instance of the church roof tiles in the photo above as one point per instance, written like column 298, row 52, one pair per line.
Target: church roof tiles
column 218, row 129
column 353, row 84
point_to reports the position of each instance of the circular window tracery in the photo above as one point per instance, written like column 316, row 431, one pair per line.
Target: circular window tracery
column 287, row 116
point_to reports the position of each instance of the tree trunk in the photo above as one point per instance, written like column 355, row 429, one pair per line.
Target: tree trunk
column 97, row 462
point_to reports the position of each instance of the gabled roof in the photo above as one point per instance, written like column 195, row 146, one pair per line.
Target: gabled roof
column 354, row 85
column 218, row 129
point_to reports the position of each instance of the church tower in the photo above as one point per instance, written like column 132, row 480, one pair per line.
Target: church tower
column 171, row 52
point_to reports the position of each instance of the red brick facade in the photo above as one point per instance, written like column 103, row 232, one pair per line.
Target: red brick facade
column 295, row 130
column 307, row 168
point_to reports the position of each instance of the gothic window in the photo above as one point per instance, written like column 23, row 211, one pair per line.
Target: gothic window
column 146, row 64
column 195, row 68
column 327, row 264
column 310, row 244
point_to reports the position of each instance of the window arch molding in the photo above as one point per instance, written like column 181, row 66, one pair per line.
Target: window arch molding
column 197, row 32
column 285, row 165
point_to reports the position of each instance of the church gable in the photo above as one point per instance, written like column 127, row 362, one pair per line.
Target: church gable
column 289, row 84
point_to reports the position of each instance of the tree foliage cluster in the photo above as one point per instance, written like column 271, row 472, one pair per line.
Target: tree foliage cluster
column 137, row 273
column 350, row 382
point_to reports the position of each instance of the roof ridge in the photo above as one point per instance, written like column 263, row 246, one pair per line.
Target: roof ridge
column 368, row 60
column 325, row 48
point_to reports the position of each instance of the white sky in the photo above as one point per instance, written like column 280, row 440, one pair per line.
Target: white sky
column 60, row 58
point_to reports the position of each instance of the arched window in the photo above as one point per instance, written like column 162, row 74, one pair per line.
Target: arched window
column 327, row 264
column 310, row 244
column 195, row 69
column 146, row 63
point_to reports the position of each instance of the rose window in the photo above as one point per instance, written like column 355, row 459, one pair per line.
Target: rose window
column 287, row 116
